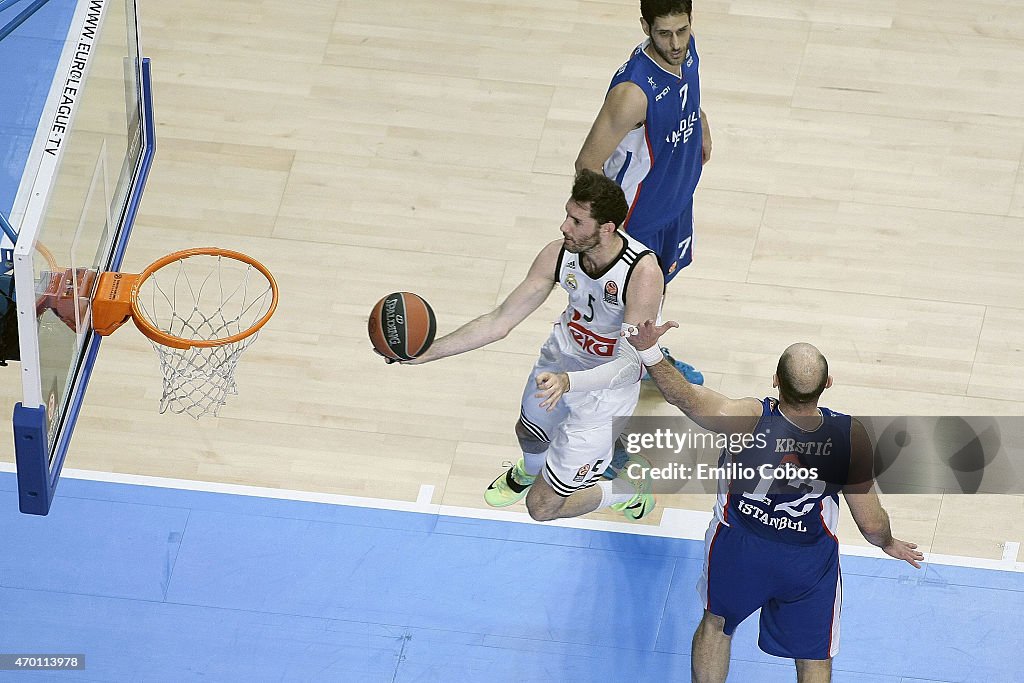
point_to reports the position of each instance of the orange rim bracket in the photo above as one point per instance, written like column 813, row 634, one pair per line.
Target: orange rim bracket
column 112, row 304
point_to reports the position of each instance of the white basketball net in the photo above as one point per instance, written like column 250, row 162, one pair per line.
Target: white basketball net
column 201, row 298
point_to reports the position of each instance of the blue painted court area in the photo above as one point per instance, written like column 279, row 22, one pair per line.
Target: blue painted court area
column 28, row 58
column 162, row 584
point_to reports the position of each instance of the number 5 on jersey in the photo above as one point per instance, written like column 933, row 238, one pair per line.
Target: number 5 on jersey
column 590, row 309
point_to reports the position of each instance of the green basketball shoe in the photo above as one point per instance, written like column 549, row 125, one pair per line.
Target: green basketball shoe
column 643, row 503
column 509, row 488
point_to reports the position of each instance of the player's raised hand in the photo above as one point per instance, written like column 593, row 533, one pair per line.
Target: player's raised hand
column 551, row 387
column 418, row 360
column 646, row 335
column 906, row 551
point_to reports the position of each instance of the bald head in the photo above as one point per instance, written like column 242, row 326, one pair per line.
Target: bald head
column 802, row 374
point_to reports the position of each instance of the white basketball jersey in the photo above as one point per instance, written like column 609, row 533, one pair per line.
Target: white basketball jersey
column 592, row 322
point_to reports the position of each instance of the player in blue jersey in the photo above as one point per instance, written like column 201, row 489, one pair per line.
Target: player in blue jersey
column 652, row 137
column 772, row 542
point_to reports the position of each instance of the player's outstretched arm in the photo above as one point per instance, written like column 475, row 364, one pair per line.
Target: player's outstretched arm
column 624, row 109
column 490, row 327
column 708, row 408
column 868, row 513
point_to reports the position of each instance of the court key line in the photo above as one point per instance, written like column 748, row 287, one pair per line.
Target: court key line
column 675, row 523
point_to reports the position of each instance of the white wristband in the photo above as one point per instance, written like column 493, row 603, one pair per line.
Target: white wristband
column 652, row 356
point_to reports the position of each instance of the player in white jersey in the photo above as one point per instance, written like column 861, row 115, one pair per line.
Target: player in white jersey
column 587, row 374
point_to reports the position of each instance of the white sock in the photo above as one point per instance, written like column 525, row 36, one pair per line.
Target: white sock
column 532, row 462
column 615, row 491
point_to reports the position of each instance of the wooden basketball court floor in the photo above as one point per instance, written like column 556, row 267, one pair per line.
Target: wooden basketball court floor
column 865, row 194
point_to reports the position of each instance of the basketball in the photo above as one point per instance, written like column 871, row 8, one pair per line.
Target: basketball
column 401, row 326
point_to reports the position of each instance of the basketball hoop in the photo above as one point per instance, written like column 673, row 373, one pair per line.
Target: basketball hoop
column 200, row 308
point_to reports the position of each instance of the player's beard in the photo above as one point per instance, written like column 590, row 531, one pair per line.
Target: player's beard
column 666, row 55
column 584, row 245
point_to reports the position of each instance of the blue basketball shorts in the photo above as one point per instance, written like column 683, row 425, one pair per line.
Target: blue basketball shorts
column 797, row 588
column 672, row 242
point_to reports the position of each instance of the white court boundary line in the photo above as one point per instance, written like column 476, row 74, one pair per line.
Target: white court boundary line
column 675, row 523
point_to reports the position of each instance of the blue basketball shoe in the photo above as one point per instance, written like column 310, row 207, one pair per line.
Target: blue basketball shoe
column 690, row 373
column 619, row 458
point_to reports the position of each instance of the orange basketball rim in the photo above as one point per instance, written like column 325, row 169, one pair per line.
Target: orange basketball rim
column 117, row 299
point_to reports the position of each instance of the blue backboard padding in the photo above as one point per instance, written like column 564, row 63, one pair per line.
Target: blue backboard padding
column 29, row 57
column 165, row 584
column 34, row 487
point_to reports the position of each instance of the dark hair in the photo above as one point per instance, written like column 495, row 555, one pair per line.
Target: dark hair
column 803, row 374
column 652, row 9
column 607, row 202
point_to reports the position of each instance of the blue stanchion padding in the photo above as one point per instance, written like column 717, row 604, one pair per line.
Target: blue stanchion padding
column 31, row 453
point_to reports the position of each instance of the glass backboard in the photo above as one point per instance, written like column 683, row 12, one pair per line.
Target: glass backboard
column 73, row 210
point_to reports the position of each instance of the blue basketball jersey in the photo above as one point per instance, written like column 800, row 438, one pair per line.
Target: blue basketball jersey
column 759, row 494
column 658, row 164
